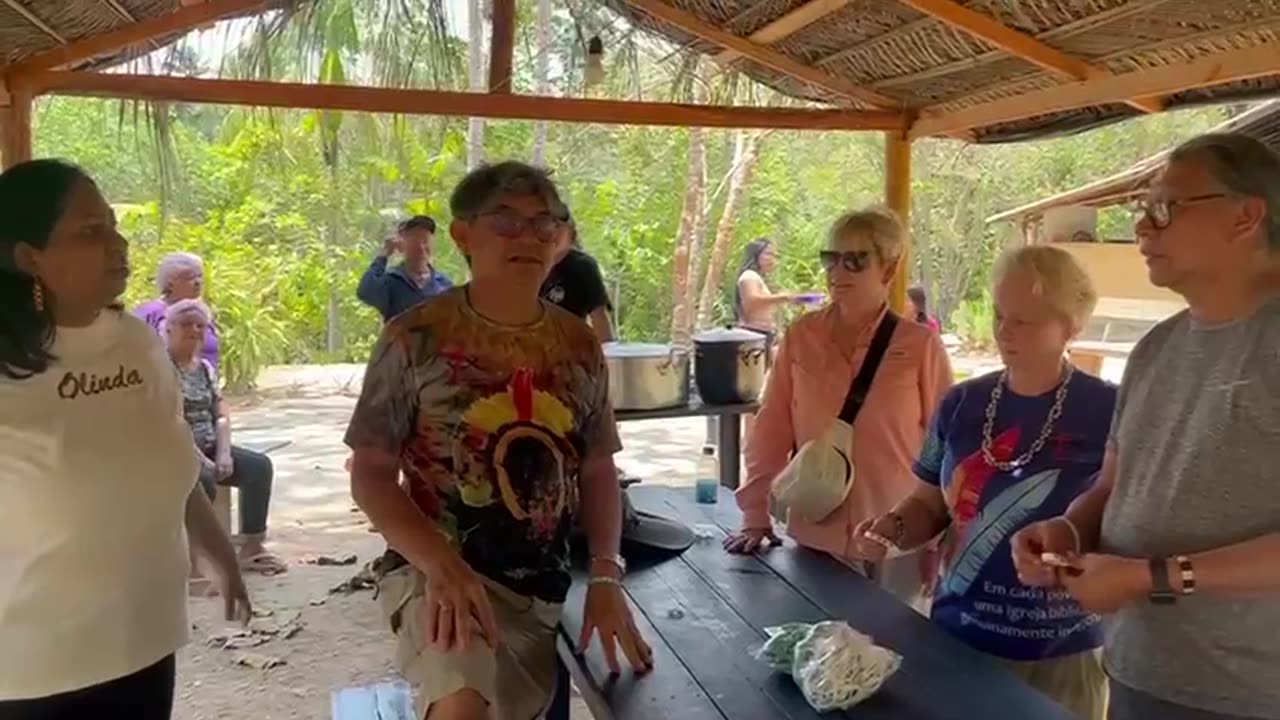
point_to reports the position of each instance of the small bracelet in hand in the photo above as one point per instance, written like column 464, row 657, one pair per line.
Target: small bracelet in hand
column 604, row 580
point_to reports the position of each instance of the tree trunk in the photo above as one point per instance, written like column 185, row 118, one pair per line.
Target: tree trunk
column 745, row 153
column 475, row 63
column 691, row 211
column 541, row 69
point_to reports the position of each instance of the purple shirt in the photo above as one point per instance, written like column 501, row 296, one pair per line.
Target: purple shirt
column 152, row 313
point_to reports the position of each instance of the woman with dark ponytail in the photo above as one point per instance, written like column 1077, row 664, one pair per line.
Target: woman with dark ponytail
column 98, row 495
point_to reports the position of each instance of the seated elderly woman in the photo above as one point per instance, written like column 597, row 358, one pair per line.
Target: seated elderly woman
column 221, row 463
column 818, row 358
column 180, row 276
column 1005, row 450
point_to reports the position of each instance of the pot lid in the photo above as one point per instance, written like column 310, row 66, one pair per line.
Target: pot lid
column 729, row 335
column 637, row 350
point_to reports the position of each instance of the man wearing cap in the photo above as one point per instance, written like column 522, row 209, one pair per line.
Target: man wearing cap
column 392, row 291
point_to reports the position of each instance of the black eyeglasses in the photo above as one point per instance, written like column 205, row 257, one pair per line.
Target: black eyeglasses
column 1159, row 209
column 511, row 225
column 854, row 261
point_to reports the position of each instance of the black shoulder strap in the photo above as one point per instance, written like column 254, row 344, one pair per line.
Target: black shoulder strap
column 862, row 381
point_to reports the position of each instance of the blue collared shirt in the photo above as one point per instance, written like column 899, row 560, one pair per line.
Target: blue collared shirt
column 392, row 291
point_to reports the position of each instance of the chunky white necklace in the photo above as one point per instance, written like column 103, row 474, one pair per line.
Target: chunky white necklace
column 988, row 427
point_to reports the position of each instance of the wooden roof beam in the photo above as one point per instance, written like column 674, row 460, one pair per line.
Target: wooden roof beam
column 502, row 45
column 93, row 46
column 1207, row 71
column 459, row 104
column 787, row 25
column 1020, row 45
column 691, row 24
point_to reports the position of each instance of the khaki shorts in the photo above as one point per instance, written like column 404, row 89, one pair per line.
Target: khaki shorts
column 1076, row 682
column 517, row 680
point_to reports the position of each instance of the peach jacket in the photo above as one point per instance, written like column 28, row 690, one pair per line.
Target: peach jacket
column 805, row 391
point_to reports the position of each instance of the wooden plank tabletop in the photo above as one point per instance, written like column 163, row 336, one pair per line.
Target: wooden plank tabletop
column 705, row 611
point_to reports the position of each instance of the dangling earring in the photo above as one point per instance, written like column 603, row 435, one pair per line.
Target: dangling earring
column 37, row 295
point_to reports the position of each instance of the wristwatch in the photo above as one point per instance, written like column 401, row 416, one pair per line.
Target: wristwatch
column 1161, row 590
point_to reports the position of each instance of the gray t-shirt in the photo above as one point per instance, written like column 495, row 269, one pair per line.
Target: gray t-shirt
column 1197, row 427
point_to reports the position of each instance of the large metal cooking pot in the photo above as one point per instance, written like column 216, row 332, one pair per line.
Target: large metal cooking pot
column 645, row 376
column 729, row 365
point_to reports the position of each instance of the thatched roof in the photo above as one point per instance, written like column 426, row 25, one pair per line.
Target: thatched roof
column 31, row 26
column 984, row 70
column 922, row 62
column 1261, row 122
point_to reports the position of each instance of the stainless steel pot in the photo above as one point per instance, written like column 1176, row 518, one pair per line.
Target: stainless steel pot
column 646, row 376
column 729, row 365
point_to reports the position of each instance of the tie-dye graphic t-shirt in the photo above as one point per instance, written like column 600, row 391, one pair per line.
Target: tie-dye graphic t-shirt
column 491, row 424
column 979, row 598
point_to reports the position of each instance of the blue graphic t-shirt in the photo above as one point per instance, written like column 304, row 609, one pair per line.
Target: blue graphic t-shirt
column 979, row 598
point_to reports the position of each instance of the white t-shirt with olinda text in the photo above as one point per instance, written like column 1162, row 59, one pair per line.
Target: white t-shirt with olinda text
column 96, row 464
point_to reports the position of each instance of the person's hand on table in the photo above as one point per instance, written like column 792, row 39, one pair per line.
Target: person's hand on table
column 748, row 540
column 1054, row 536
column 456, row 606
column 1103, row 584
column 605, row 613
column 869, row 549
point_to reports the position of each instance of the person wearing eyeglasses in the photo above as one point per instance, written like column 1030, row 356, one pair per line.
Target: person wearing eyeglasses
column 1179, row 538
column 817, row 360
column 1004, row 450
column 392, row 291
column 495, row 405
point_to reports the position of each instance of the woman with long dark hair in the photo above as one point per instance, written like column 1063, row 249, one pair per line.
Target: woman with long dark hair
column 98, row 496
column 753, row 302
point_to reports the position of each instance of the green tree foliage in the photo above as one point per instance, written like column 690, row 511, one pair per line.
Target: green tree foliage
column 289, row 207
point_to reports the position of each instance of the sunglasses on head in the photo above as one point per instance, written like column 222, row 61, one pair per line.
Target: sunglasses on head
column 854, row 261
column 509, row 224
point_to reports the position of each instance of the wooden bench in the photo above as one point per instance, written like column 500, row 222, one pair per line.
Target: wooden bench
column 705, row 611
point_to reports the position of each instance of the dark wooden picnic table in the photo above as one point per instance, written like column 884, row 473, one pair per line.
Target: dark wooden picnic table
column 728, row 438
column 705, row 611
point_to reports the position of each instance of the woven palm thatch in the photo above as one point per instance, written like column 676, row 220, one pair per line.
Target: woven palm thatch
column 921, row 62
column 46, row 24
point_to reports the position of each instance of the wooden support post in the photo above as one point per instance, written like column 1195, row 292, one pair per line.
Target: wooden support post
column 502, row 46
column 16, row 127
column 897, row 195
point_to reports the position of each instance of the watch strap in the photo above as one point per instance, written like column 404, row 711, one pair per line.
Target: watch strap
column 1186, row 575
column 1161, row 590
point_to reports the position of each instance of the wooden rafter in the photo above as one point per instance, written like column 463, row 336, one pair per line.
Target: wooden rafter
column 34, row 20
column 787, row 25
column 502, row 45
column 1020, row 45
column 178, row 21
column 1061, row 32
column 461, row 104
column 1217, row 69
column 694, row 26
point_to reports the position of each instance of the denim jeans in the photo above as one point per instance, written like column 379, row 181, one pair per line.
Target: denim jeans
column 252, row 475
